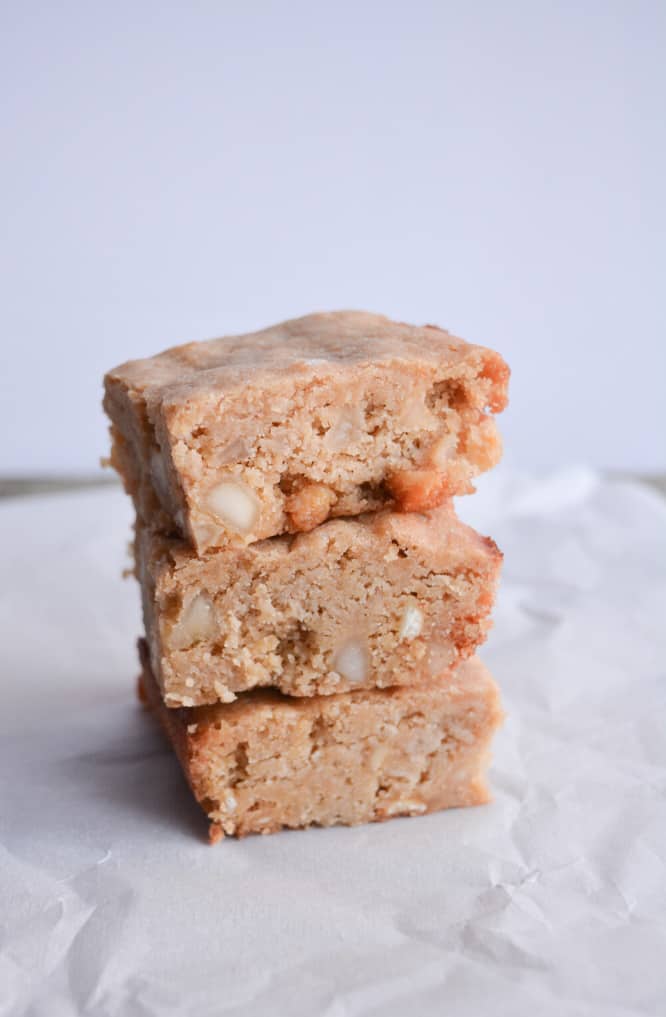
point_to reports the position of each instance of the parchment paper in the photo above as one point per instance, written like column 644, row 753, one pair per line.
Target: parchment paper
column 551, row 901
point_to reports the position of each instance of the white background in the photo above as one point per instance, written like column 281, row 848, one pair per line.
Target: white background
column 173, row 171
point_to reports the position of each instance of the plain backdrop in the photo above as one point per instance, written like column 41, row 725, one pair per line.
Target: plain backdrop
column 173, row 171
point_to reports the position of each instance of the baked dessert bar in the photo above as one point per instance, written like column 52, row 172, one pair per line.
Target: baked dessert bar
column 381, row 599
column 238, row 439
column 268, row 761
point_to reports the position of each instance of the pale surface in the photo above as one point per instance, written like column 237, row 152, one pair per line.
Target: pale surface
column 550, row 901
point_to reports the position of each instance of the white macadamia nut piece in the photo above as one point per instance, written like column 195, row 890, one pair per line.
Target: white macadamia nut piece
column 234, row 504
column 411, row 624
column 196, row 623
column 347, row 429
column 351, row 661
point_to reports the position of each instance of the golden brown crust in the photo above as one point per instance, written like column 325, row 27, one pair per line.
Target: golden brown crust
column 418, row 490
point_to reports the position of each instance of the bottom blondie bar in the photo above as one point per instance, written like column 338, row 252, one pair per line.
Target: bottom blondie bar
column 268, row 761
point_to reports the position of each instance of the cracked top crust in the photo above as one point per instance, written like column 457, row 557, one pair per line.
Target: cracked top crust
column 316, row 345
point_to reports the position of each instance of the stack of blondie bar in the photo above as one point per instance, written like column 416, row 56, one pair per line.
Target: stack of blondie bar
column 312, row 604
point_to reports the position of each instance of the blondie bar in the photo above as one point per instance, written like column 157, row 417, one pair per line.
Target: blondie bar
column 268, row 761
column 238, row 439
column 382, row 599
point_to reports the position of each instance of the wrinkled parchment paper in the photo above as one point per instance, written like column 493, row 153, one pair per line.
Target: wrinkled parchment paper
column 551, row 901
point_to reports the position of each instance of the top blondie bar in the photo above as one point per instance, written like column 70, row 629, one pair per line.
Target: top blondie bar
column 236, row 439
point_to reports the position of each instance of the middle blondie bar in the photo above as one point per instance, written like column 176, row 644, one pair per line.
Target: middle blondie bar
column 372, row 601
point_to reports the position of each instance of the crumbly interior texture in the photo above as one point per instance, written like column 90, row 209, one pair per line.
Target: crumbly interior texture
column 267, row 761
column 387, row 598
column 234, row 440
